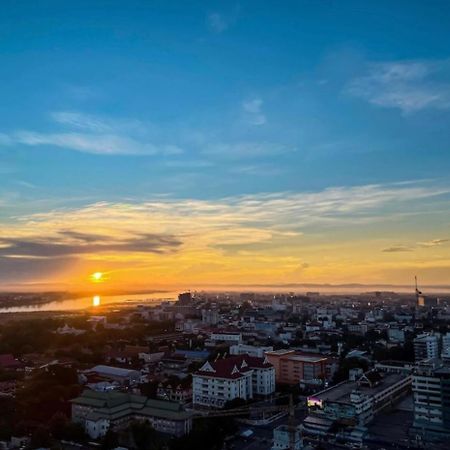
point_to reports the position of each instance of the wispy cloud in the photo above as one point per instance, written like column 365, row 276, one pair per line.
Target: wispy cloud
column 415, row 246
column 93, row 134
column 171, row 235
column 253, row 111
column 100, row 144
column 95, row 123
column 433, row 243
column 74, row 244
column 409, row 86
column 397, row 249
column 230, row 220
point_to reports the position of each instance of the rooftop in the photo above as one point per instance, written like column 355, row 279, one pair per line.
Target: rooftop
column 114, row 371
column 341, row 392
column 232, row 367
column 114, row 405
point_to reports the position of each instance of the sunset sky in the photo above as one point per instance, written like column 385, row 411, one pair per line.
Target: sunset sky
column 179, row 144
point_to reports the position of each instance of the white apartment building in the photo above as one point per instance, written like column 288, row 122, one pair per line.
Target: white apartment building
column 445, row 355
column 218, row 382
column 431, row 388
column 228, row 337
column 426, row 346
column 250, row 350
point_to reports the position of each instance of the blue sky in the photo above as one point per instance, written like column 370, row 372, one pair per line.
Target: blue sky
column 128, row 102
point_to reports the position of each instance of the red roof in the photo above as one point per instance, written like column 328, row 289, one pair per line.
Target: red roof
column 232, row 367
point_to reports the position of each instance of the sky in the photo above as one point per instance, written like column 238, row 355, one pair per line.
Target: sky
column 192, row 143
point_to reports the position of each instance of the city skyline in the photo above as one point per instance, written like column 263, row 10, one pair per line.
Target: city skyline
column 186, row 144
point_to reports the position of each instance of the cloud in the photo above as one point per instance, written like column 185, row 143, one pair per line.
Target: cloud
column 257, row 170
column 241, row 219
column 253, row 111
column 410, row 248
column 96, row 135
column 99, row 144
column 81, row 243
column 95, row 123
column 252, row 235
column 433, row 243
column 409, row 86
column 397, row 249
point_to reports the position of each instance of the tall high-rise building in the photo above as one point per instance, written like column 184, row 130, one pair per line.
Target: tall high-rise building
column 445, row 353
column 431, row 389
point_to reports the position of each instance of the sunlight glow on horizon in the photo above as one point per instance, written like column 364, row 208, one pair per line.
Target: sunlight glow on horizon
column 97, row 277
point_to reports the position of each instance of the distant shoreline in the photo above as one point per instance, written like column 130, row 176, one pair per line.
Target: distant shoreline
column 326, row 288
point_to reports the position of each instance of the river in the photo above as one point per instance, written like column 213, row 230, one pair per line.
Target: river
column 78, row 304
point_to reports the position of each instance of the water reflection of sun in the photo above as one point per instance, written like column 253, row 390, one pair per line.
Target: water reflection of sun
column 96, row 300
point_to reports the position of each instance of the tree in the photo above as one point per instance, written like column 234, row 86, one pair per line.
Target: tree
column 41, row 438
column 207, row 434
column 345, row 365
column 110, row 440
column 145, row 437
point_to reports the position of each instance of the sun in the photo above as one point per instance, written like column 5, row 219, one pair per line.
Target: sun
column 97, row 277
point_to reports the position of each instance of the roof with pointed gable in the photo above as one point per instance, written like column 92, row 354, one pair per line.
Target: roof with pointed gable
column 233, row 367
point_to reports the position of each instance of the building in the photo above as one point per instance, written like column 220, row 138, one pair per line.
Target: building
column 251, row 350
column 396, row 335
column 431, row 389
column 445, row 354
column 101, row 411
column 181, row 393
column 351, row 405
column 243, row 376
column 125, row 377
column 227, row 337
column 185, row 298
column 426, row 346
column 287, row 438
column 210, row 316
column 292, row 367
column 426, row 301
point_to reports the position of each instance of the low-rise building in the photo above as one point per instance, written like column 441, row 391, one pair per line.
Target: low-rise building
column 353, row 404
column 251, row 350
column 125, row 377
column 287, row 438
column 292, row 367
column 181, row 393
column 228, row 337
column 101, row 411
column 218, row 382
